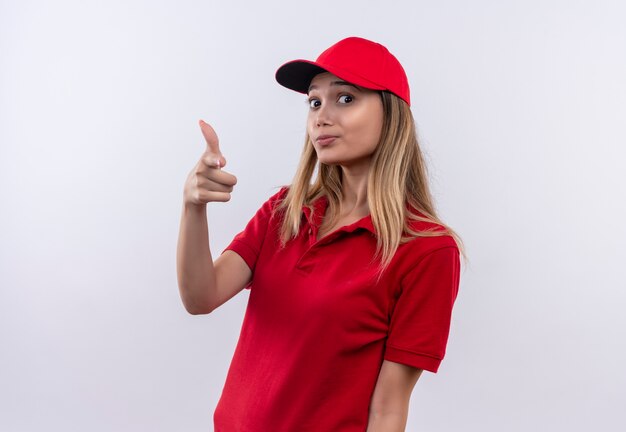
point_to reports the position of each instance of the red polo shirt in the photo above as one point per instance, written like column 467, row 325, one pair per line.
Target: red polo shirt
column 319, row 323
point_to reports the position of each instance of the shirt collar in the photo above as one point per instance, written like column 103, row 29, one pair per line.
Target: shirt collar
column 319, row 208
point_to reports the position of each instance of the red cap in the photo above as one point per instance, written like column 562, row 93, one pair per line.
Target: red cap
column 358, row 61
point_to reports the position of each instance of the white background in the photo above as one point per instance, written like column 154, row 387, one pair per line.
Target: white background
column 521, row 109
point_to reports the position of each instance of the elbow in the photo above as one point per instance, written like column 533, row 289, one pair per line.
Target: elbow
column 196, row 310
column 196, row 306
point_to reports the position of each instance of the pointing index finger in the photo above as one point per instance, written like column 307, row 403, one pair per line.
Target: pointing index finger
column 213, row 143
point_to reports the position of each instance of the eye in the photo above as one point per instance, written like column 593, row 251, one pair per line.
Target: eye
column 345, row 99
column 314, row 103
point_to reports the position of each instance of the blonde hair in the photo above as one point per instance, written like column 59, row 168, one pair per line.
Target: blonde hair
column 397, row 179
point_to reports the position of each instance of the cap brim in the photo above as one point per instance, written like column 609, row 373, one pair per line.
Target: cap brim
column 298, row 74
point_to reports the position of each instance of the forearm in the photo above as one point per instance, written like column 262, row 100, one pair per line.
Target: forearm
column 194, row 263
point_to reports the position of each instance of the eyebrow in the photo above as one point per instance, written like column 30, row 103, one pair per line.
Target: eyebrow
column 336, row 83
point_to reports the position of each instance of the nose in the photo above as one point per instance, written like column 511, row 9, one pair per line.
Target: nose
column 322, row 116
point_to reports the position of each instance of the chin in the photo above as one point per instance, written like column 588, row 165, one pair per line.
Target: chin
column 329, row 161
column 345, row 163
column 326, row 159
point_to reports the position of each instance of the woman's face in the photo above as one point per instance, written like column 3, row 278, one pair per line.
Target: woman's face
column 344, row 121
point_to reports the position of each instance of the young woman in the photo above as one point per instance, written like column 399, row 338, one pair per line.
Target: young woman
column 352, row 275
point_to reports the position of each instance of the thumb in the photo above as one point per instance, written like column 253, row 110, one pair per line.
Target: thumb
column 212, row 142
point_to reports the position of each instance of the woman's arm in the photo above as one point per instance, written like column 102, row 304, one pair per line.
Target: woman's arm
column 389, row 406
column 203, row 284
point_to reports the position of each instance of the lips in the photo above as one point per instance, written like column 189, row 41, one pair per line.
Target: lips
column 325, row 139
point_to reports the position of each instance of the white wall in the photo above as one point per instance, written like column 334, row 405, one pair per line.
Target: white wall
column 521, row 107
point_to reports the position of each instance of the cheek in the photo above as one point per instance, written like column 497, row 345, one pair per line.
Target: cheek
column 309, row 124
column 377, row 128
column 370, row 128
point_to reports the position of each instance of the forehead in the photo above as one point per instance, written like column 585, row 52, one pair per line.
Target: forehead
column 326, row 79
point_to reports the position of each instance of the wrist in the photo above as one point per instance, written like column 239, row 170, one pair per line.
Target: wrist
column 190, row 208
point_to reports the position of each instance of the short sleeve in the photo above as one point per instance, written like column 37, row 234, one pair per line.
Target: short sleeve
column 248, row 242
column 420, row 321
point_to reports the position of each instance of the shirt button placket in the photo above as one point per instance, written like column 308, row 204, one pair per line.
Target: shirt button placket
column 306, row 263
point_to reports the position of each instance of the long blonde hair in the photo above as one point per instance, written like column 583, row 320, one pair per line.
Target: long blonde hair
column 397, row 179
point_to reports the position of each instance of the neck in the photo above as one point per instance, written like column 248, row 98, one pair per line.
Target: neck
column 354, row 191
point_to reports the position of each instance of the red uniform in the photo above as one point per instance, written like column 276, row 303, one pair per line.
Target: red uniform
column 319, row 322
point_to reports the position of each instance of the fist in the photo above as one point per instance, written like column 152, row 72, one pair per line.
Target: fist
column 207, row 181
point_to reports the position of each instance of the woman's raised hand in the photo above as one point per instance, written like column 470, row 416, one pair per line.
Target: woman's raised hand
column 207, row 182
